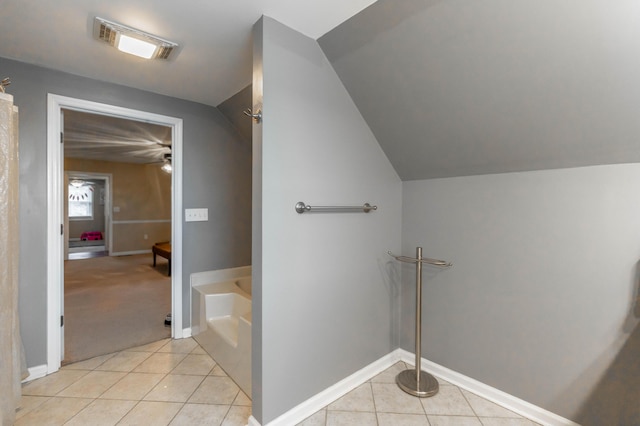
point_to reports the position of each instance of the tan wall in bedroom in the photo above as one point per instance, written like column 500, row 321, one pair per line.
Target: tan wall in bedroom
column 131, row 235
column 142, row 192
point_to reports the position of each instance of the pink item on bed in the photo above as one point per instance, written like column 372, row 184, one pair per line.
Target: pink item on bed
column 93, row 235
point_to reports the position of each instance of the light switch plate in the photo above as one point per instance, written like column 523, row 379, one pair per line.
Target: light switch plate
column 196, row 215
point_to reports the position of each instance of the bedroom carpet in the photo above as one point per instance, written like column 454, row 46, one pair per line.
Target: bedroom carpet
column 114, row 303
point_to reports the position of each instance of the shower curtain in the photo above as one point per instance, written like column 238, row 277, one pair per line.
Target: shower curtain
column 12, row 368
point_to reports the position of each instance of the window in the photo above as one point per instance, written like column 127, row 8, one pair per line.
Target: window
column 80, row 202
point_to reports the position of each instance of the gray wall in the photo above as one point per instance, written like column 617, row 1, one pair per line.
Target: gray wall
column 465, row 87
column 217, row 173
column 327, row 302
column 256, row 230
column 233, row 108
column 541, row 300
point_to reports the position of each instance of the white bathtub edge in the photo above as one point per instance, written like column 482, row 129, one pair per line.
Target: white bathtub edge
column 207, row 277
column 221, row 295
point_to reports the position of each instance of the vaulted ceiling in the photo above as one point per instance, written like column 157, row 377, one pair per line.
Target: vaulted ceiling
column 448, row 87
column 465, row 87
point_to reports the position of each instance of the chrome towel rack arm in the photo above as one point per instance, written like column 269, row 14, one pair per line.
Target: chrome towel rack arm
column 435, row 262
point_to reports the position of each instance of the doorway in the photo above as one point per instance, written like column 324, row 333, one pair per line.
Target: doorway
column 56, row 217
column 87, row 215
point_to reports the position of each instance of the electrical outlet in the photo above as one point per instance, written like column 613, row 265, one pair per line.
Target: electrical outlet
column 196, row 215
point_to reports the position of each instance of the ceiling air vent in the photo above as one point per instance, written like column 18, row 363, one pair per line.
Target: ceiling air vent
column 133, row 41
column 107, row 34
column 164, row 52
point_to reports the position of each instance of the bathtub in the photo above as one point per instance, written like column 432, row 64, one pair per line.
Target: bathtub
column 221, row 320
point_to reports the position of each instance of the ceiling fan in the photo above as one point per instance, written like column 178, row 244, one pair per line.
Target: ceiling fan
column 166, row 166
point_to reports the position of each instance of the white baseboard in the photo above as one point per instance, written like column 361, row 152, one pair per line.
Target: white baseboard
column 36, row 372
column 252, row 421
column 510, row 402
column 41, row 370
column 129, row 253
column 332, row 393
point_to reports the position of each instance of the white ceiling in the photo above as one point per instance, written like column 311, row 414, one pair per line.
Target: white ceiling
column 213, row 64
column 105, row 138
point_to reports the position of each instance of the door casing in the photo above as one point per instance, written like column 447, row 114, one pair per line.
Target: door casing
column 55, row 217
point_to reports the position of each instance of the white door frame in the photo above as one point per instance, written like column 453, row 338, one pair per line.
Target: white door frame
column 55, row 219
column 108, row 227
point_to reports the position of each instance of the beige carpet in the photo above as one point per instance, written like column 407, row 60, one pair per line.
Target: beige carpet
column 114, row 303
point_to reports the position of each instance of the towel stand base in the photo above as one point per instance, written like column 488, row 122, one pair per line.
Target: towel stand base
column 425, row 387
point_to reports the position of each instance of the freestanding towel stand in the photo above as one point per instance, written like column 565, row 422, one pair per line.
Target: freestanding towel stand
column 417, row 382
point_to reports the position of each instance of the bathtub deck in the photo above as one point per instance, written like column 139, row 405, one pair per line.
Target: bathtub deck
column 221, row 322
column 226, row 327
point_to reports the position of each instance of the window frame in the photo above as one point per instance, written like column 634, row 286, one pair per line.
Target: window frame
column 91, row 204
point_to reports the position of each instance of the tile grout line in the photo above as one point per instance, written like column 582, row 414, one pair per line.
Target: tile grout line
column 197, row 387
column 116, row 369
column 153, row 387
column 424, row 408
column 106, row 390
column 470, row 405
column 373, row 398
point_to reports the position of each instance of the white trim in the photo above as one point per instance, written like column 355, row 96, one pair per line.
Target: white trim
column 87, row 249
column 118, row 222
column 186, row 332
column 332, row 393
column 108, row 179
column 81, row 218
column 55, row 251
column 129, row 253
column 253, row 422
column 312, row 405
column 176, row 229
column 35, row 373
column 510, row 402
column 219, row 275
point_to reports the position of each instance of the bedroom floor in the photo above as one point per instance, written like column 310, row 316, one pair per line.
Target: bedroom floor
column 175, row 382
column 114, row 303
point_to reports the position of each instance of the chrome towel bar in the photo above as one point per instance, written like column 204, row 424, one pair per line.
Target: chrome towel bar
column 302, row 208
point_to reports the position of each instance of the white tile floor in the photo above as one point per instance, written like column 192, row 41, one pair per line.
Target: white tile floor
column 175, row 382
column 380, row 402
column 167, row 382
